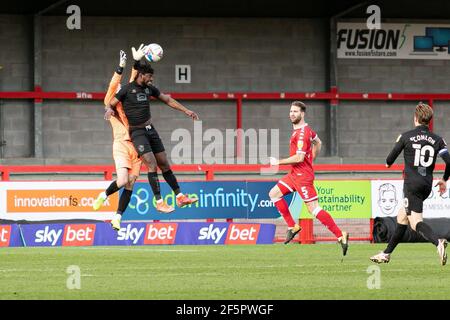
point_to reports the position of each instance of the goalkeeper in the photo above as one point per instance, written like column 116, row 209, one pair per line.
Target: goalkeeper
column 126, row 159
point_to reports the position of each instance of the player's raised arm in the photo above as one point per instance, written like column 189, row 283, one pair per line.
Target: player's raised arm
column 399, row 145
column 171, row 102
column 133, row 74
column 137, row 56
column 111, row 106
column 115, row 81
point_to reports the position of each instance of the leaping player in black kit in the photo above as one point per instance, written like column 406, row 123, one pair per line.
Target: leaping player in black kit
column 420, row 149
column 135, row 98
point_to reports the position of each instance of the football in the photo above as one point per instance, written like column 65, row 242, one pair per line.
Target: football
column 153, row 52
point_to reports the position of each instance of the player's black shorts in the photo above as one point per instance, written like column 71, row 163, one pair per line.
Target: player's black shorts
column 146, row 140
column 414, row 196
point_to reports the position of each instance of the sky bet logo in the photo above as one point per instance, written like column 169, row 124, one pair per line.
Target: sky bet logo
column 160, row 233
column 79, row 235
column 242, row 234
column 237, row 234
column 155, row 233
column 130, row 233
column 74, row 235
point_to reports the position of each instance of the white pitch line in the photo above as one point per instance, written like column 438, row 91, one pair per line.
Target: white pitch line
column 141, row 249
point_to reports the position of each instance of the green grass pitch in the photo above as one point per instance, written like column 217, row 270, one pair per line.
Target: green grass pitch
column 292, row 272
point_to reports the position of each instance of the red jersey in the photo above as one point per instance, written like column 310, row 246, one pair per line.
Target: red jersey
column 301, row 142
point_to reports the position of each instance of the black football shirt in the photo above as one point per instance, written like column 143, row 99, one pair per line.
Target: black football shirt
column 420, row 149
column 136, row 102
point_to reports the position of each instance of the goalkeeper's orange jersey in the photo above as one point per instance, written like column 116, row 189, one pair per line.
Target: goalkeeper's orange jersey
column 119, row 121
column 125, row 156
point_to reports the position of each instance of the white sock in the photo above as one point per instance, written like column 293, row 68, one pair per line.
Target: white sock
column 103, row 195
column 159, row 201
column 117, row 217
column 179, row 195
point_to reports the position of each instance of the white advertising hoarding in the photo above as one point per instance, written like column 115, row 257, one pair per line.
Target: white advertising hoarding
column 387, row 199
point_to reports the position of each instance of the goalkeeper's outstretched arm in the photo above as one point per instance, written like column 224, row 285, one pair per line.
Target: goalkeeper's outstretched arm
column 114, row 84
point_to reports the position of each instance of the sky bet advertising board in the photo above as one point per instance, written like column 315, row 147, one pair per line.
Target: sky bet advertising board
column 136, row 234
column 218, row 200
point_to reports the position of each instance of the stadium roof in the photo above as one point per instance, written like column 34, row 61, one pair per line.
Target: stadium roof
column 431, row 9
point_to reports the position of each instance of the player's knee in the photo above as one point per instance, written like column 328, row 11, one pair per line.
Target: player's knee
column 275, row 193
column 165, row 166
column 129, row 186
column 121, row 181
column 151, row 165
column 313, row 207
column 130, row 183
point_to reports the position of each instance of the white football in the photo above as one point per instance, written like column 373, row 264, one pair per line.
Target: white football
column 153, row 52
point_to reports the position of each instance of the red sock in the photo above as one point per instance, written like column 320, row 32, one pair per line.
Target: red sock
column 328, row 222
column 283, row 209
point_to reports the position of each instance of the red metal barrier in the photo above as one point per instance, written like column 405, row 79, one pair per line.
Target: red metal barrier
column 332, row 95
column 307, row 233
column 207, row 169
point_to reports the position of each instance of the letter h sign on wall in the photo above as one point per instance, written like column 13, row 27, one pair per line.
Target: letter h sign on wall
column 182, row 73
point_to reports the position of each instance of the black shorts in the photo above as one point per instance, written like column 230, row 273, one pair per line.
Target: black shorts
column 414, row 196
column 146, row 140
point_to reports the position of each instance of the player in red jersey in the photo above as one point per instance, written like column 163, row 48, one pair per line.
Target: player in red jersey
column 304, row 147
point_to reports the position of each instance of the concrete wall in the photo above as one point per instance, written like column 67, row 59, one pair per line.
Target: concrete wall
column 226, row 55
column 368, row 129
column 392, row 75
column 16, row 75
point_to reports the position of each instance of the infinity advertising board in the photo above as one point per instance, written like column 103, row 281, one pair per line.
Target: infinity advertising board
column 218, row 200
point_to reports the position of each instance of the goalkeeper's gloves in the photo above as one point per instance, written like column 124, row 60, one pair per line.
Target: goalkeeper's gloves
column 123, row 59
column 139, row 53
